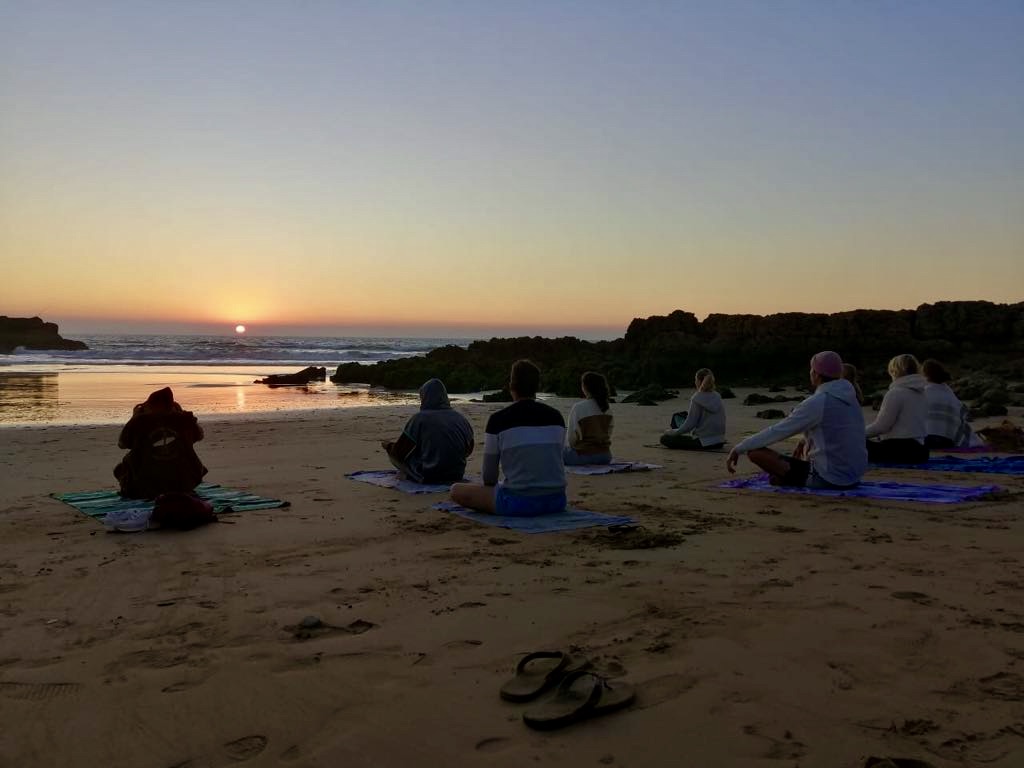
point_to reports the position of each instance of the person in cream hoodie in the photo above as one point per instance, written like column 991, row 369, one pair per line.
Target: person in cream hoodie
column 902, row 421
column 703, row 426
column 832, row 453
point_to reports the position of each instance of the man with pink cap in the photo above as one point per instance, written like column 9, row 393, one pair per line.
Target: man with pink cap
column 834, row 454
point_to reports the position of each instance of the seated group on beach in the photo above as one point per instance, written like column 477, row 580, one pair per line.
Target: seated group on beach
column 529, row 444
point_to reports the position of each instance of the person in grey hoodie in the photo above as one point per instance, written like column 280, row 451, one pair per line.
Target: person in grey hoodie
column 703, row 426
column 435, row 442
column 833, row 453
column 902, row 421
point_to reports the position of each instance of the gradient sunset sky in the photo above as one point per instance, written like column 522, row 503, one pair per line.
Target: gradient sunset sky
column 439, row 167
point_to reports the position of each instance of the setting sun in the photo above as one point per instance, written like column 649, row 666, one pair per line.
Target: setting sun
column 239, row 329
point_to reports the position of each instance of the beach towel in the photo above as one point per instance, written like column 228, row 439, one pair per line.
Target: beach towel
column 608, row 469
column 388, row 478
column 225, row 501
column 924, row 493
column 992, row 465
column 569, row 520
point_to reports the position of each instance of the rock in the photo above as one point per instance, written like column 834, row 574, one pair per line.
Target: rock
column 650, row 395
column 311, row 622
column 305, row 376
column 1007, row 436
column 726, row 393
column 32, row 333
column 771, row 413
column 996, row 396
column 501, row 396
column 756, row 399
column 776, row 388
column 984, row 410
column 745, row 349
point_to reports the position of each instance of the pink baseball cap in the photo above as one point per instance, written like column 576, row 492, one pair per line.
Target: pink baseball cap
column 828, row 364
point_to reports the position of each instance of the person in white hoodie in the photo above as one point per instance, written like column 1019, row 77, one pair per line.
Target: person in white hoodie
column 833, row 453
column 902, row 421
column 947, row 416
column 703, row 426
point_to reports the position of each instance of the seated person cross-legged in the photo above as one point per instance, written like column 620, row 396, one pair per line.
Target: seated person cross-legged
column 947, row 419
column 589, row 434
column 702, row 427
column 435, row 442
column 833, row 454
column 161, row 458
column 902, row 422
column 524, row 441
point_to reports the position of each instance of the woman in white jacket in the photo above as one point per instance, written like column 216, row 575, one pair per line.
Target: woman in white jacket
column 704, row 425
column 588, row 437
column 902, row 421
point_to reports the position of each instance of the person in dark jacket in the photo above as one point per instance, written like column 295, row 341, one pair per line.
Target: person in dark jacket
column 435, row 442
column 161, row 458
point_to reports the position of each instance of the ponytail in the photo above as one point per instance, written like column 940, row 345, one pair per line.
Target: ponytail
column 706, row 379
column 596, row 386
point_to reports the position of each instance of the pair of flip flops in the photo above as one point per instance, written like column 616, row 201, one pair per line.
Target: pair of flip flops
column 575, row 692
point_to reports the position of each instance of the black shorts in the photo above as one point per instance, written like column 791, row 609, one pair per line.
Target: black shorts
column 802, row 475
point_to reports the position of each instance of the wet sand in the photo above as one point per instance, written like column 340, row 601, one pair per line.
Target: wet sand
column 759, row 630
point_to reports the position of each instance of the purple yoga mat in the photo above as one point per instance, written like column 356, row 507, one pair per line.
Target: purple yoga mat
column 927, row 493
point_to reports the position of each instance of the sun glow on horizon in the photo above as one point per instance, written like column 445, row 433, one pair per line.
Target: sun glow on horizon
column 239, row 328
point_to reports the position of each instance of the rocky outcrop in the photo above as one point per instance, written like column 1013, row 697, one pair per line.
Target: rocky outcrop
column 757, row 399
column 303, row 377
column 32, row 333
column 740, row 349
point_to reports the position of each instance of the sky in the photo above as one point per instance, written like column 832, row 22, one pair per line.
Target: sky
column 473, row 167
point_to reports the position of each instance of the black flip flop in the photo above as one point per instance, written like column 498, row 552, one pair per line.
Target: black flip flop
column 536, row 672
column 580, row 695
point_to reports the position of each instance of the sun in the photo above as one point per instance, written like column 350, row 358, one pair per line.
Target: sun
column 239, row 329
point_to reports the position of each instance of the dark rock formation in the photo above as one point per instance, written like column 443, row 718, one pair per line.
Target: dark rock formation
column 771, row 413
column 726, row 394
column 651, row 394
column 745, row 349
column 303, row 377
column 32, row 333
column 755, row 399
column 1007, row 436
column 501, row 396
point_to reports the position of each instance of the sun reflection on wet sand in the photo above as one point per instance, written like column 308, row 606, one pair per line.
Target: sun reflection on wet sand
column 89, row 395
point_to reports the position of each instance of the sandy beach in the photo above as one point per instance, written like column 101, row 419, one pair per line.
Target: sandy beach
column 759, row 629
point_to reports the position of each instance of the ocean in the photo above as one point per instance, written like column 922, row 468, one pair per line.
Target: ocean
column 210, row 375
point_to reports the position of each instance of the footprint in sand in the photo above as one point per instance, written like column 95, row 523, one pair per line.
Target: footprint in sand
column 230, row 753
column 658, row 690
column 493, row 744
column 38, row 691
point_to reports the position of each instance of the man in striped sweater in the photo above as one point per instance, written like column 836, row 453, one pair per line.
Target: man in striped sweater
column 523, row 441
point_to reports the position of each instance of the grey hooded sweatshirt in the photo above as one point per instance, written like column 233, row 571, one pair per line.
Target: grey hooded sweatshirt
column 443, row 438
column 904, row 411
column 705, row 419
column 831, row 421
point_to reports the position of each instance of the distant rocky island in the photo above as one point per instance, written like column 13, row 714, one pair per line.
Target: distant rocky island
column 32, row 333
column 968, row 336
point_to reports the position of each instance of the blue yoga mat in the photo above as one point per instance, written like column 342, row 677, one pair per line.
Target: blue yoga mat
column 388, row 478
column 925, row 493
column 989, row 465
column 225, row 500
column 569, row 520
column 610, row 469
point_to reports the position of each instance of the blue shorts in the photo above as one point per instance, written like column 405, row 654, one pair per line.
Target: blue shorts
column 508, row 503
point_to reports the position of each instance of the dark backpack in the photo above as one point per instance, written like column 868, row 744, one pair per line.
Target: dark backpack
column 182, row 511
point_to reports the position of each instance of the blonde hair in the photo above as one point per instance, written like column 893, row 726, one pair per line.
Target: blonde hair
column 903, row 365
column 706, row 379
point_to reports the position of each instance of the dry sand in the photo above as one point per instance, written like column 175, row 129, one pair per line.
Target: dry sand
column 760, row 630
